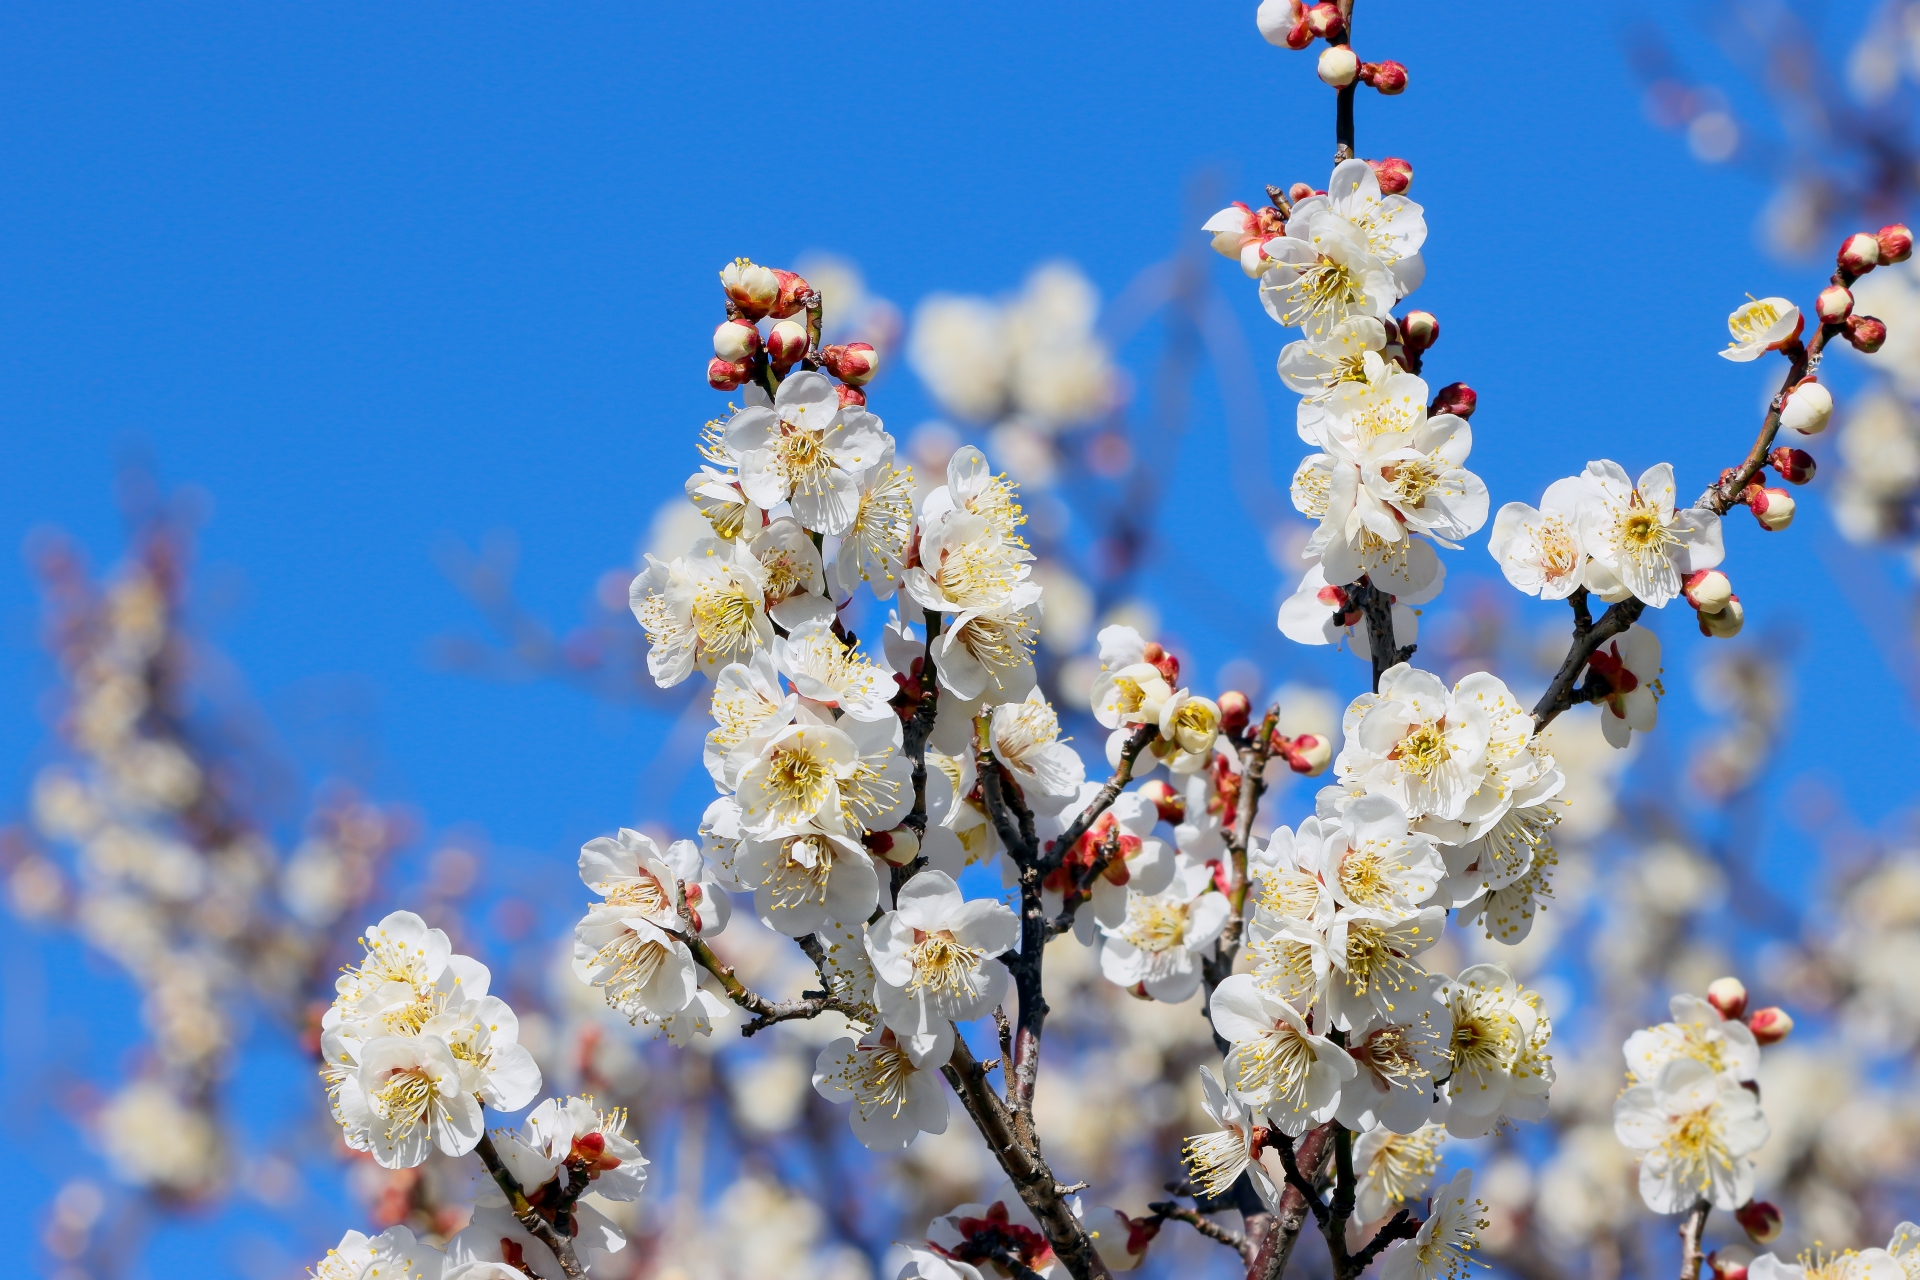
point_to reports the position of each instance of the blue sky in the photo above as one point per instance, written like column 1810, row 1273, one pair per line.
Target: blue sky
column 371, row 276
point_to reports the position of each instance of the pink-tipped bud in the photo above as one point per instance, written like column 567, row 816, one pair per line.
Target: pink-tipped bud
column 1760, row 1220
column 1808, row 409
column 1339, row 66
column 1298, row 191
column 735, row 341
column 854, row 364
column 787, row 343
column 1866, row 333
column 1394, row 175
column 1236, row 709
column 1834, row 304
column 1309, row 754
column 1169, row 666
column 898, row 846
column 1389, row 78
column 1730, row 1262
column 1795, row 466
column 750, row 287
column 1171, row 805
column 725, row 375
column 1419, row 330
column 1895, row 241
column 1728, row 996
column 1859, row 254
column 1456, row 398
column 1325, row 22
column 1773, row 508
column 1276, row 18
column 1726, row 624
column 850, row 395
column 1707, row 590
column 1299, row 35
column 1770, row 1025
column 793, row 295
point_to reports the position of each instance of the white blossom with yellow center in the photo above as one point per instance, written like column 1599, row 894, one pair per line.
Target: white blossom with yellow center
column 804, row 449
column 1639, row 541
column 933, row 955
column 1696, row 1133
column 1277, row 1066
column 893, row 1081
column 1159, row 948
column 707, row 607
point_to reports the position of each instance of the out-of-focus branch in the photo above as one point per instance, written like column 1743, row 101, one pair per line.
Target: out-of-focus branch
column 1692, row 1228
column 1168, row 1210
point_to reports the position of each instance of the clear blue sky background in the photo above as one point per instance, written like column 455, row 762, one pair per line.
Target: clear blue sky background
column 371, row 275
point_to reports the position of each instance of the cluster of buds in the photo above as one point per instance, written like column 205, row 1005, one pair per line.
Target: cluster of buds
column 1340, row 67
column 1728, row 996
column 1710, row 592
column 743, row 353
column 1293, row 24
column 1860, row 253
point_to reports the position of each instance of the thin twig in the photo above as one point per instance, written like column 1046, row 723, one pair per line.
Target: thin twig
column 1588, row 637
column 1692, row 1228
column 561, row 1246
column 1207, row 1227
column 1401, row 1226
column 811, row 1004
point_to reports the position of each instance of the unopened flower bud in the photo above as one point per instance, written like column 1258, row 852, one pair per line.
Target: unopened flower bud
column 1730, row 1262
column 793, row 295
column 1895, row 241
column 725, row 375
column 1834, row 304
column 1419, row 330
column 1324, row 20
column 898, row 846
column 850, row 395
column 854, row 364
column 1394, row 175
column 753, row 289
column 1760, row 1220
column 1770, row 1025
column 1389, row 77
column 1275, row 18
column 1808, row 408
column 1728, row 996
column 1299, row 191
column 1859, row 254
column 1235, row 710
column 1308, row 754
column 1773, row 508
column 786, row 343
column 1339, row 66
column 1168, row 665
column 1866, row 333
column 1795, row 466
column 1726, row 624
column 1456, row 398
column 1172, row 806
column 735, row 340
column 1707, row 590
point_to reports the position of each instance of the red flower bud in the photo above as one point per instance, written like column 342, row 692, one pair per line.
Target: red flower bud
column 1795, row 466
column 735, row 341
column 1770, row 1025
column 786, row 343
column 1730, row 1263
column 793, row 295
column 854, row 364
column 1728, row 996
column 1298, row 191
column 1419, row 330
column 1456, row 398
column 1760, row 1220
column 1168, row 665
column 1170, row 804
column 1308, row 754
column 725, row 376
column 1394, row 174
column 1324, row 21
column 1866, row 333
column 850, row 395
column 1726, row 624
column 1859, row 254
column 1299, row 35
column 1707, row 590
column 1389, row 78
column 1235, row 711
column 1895, row 241
column 1834, row 304
column 898, row 846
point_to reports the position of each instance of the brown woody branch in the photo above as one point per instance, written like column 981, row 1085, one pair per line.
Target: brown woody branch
column 1692, row 1228
column 560, row 1245
column 1170, row 1211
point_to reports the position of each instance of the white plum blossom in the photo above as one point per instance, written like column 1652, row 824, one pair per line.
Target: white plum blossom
column 1498, row 1037
column 826, row 670
column 708, row 607
column 1761, row 325
column 1372, row 952
column 630, row 943
column 1158, row 949
column 791, row 574
column 1368, row 858
column 1394, row 227
column 893, row 1081
column 1216, row 1159
column 1446, row 1239
column 1321, row 272
column 394, row 1254
column 1393, row 1168
column 1639, row 541
column 748, row 699
column 1696, row 1131
column 934, row 955
column 873, row 549
column 1417, row 741
column 1277, row 1066
column 717, row 495
column 1697, row 1031
column 1025, row 739
column 1314, row 368
column 1849, row 1264
column 409, row 1096
column 803, row 879
column 1397, row 1059
column 804, row 449
column 1539, row 550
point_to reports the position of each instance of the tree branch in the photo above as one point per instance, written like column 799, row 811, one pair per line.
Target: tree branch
column 811, row 1004
column 1378, row 606
column 1692, row 1228
column 561, row 1246
column 1212, row 1230
column 1142, row 738
column 1277, row 1246
column 1401, row 1226
column 1588, row 637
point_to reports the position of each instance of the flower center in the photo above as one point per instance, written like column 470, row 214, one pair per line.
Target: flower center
column 1412, row 480
column 635, row 961
column 1216, row 1160
column 1364, row 876
column 1405, row 1162
column 643, row 891
column 1641, row 530
column 943, row 963
column 1693, row 1146
column 799, row 780
column 803, row 458
column 1751, row 322
column 723, row 615
column 1423, row 749
column 1278, row 1060
column 801, row 878
column 880, row 1082
column 1559, row 553
column 1155, row 926
column 402, row 1102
